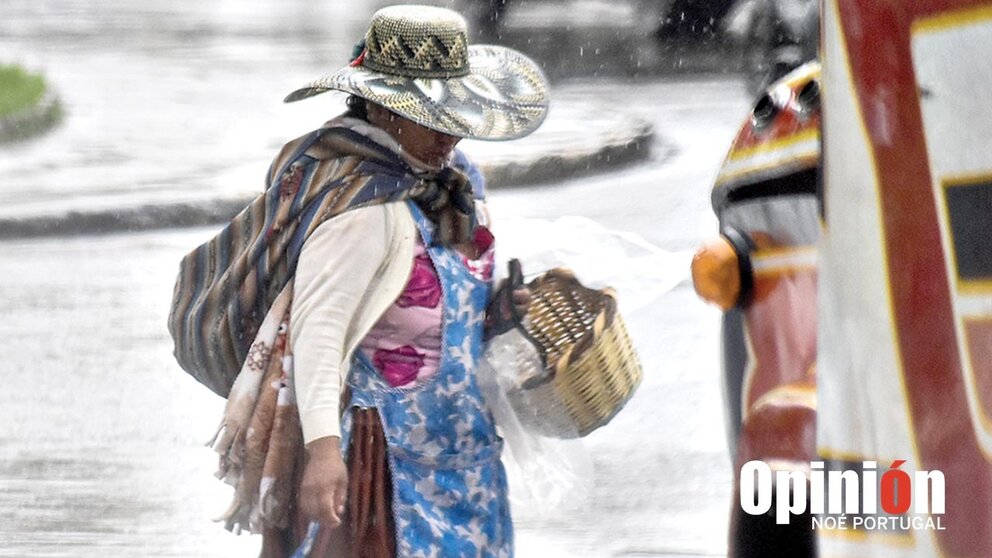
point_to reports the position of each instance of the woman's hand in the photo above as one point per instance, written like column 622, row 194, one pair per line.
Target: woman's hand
column 509, row 304
column 521, row 300
column 324, row 489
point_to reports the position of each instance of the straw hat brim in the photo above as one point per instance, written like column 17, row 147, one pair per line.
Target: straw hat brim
column 503, row 97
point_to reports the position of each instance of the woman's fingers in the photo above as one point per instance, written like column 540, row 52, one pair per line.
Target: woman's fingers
column 323, row 503
column 521, row 300
column 340, row 496
column 327, row 513
column 324, row 489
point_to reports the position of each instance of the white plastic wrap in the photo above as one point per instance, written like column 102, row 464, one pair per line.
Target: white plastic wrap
column 545, row 474
column 547, row 464
column 637, row 270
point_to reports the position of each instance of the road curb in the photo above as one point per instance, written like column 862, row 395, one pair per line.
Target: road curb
column 629, row 147
column 632, row 147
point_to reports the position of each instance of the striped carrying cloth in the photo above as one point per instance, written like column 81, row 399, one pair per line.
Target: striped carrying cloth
column 227, row 285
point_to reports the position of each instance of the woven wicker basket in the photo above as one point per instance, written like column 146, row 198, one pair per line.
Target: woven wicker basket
column 592, row 368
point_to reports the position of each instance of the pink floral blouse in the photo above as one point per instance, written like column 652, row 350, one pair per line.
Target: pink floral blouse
column 405, row 344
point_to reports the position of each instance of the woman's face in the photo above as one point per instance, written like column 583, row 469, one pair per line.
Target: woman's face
column 427, row 145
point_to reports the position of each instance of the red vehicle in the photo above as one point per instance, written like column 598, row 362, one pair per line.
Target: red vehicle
column 904, row 370
column 899, row 307
column 762, row 272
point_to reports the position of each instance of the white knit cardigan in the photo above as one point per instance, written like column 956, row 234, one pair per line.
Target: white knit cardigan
column 351, row 269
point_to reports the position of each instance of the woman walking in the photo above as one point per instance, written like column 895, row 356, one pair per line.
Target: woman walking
column 376, row 336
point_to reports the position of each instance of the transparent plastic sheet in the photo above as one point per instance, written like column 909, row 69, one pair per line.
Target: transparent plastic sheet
column 637, row 270
column 548, row 467
column 546, row 474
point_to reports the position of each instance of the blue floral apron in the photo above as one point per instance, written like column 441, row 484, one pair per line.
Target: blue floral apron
column 449, row 486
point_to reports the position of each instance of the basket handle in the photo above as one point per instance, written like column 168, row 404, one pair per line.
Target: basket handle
column 515, row 280
column 502, row 316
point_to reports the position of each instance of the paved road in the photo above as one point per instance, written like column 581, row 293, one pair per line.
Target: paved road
column 101, row 447
column 662, row 471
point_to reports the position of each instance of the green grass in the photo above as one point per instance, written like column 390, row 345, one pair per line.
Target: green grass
column 19, row 90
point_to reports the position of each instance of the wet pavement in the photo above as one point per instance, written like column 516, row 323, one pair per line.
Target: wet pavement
column 102, row 446
column 102, row 443
column 582, row 135
column 188, row 113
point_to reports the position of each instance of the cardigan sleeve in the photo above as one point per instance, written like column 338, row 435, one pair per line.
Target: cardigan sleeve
column 337, row 266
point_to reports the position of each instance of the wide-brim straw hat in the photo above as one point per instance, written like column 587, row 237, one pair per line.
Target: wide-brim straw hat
column 417, row 63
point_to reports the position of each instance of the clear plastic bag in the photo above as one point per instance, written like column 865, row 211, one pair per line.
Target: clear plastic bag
column 637, row 270
column 547, row 464
column 546, row 474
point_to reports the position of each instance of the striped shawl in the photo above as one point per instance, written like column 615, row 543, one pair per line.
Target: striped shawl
column 226, row 286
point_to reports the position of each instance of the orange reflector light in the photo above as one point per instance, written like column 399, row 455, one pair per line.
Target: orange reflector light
column 715, row 273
